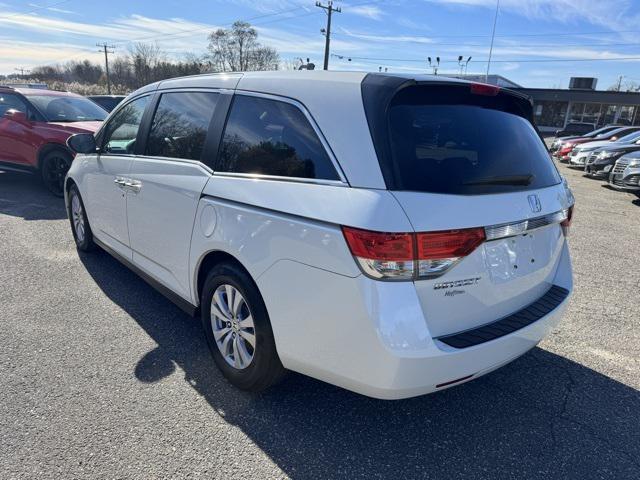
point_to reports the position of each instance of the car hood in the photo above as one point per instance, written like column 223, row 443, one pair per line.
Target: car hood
column 628, row 147
column 79, row 127
column 596, row 144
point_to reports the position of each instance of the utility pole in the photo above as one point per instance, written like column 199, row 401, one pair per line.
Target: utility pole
column 620, row 82
column 107, row 50
column 21, row 70
column 329, row 9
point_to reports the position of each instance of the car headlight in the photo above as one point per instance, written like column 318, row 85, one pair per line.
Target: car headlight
column 634, row 164
column 609, row 154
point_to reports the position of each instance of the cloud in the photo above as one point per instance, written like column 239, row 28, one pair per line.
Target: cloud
column 387, row 38
column 51, row 9
column 508, row 67
column 30, row 54
column 367, row 11
column 606, row 13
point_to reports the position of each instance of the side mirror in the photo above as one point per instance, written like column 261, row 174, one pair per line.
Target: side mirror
column 82, row 143
column 16, row 116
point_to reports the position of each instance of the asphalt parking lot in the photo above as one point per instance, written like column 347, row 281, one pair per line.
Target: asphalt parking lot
column 101, row 377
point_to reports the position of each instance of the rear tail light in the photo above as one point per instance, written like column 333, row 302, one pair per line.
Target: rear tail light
column 380, row 255
column 439, row 251
column 409, row 256
column 566, row 223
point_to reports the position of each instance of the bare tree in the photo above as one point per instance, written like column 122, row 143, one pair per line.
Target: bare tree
column 144, row 58
column 625, row 86
column 237, row 49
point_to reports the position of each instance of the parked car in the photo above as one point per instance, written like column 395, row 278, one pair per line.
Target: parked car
column 595, row 134
column 625, row 174
column 575, row 128
column 394, row 235
column 34, row 127
column 563, row 154
column 108, row 102
column 602, row 160
column 579, row 155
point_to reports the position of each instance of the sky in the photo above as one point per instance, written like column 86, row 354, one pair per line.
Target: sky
column 538, row 43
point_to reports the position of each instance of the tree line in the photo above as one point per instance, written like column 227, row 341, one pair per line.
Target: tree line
column 229, row 50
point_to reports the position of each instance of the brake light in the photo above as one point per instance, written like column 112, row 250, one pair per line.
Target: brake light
column 382, row 255
column 439, row 251
column 566, row 223
column 409, row 256
column 484, row 89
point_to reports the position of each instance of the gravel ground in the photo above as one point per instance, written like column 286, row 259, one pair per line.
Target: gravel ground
column 102, row 377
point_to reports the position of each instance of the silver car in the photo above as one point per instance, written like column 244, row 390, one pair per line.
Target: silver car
column 625, row 174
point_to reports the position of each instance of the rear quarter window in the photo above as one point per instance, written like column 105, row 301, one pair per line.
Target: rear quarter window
column 271, row 137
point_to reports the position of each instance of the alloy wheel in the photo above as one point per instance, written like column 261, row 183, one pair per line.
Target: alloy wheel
column 232, row 325
column 77, row 217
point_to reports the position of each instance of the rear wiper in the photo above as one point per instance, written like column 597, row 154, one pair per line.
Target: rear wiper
column 522, row 180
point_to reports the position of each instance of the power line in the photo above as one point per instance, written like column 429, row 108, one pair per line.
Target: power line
column 107, row 50
column 329, row 9
column 41, row 7
column 533, row 60
column 493, row 36
column 226, row 24
column 504, row 35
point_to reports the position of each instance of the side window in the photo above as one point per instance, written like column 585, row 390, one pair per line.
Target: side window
column 270, row 137
column 121, row 131
column 180, row 124
column 9, row 101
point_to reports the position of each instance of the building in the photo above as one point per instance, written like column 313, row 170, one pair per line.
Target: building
column 555, row 107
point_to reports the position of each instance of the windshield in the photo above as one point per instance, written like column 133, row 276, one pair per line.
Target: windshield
column 67, row 109
column 600, row 132
column 632, row 137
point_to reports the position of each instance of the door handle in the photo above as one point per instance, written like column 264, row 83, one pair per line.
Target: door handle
column 121, row 182
column 134, row 185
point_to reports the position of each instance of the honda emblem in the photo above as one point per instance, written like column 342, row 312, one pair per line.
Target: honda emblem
column 534, row 203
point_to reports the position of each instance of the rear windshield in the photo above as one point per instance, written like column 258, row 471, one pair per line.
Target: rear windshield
column 442, row 146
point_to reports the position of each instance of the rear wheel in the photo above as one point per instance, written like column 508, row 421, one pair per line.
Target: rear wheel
column 238, row 329
column 79, row 224
column 54, row 168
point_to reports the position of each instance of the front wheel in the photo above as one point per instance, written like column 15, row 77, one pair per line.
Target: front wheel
column 54, row 168
column 80, row 227
column 238, row 329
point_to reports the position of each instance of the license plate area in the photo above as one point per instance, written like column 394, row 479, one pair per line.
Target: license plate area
column 519, row 256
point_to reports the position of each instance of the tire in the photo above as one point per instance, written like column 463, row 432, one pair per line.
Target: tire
column 264, row 368
column 53, row 169
column 80, row 227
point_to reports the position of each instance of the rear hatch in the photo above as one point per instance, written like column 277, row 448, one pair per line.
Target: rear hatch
column 476, row 181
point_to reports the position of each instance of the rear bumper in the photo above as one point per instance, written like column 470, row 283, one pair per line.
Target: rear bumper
column 371, row 337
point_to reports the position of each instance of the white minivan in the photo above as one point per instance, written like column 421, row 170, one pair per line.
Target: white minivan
column 391, row 234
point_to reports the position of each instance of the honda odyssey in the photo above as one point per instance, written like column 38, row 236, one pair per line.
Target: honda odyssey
column 394, row 235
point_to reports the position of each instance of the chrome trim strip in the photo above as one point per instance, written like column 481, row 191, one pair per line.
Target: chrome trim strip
column 512, row 229
column 257, row 176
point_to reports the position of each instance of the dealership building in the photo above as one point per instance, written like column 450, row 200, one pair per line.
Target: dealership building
column 581, row 102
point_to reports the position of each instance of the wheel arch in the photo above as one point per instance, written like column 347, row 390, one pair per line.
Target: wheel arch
column 208, row 261
column 47, row 148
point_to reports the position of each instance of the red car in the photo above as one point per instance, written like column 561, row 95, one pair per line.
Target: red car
column 563, row 153
column 34, row 127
